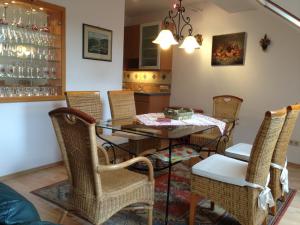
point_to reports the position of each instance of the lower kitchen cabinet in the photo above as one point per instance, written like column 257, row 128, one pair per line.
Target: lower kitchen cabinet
column 151, row 102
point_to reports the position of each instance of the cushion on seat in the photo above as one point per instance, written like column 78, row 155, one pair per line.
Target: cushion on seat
column 240, row 151
column 14, row 208
column 130, row 136
column 114, row 139
column 222, row 168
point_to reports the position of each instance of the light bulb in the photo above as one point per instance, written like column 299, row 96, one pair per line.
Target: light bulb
column 189, row 50
column 165, row 45
column 190, row 44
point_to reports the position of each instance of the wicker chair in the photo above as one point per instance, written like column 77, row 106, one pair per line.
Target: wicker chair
column 236, row 185
column 98, row 191
column 226, row 108
column 242, row 151
column 90, row 103
column 122, row 106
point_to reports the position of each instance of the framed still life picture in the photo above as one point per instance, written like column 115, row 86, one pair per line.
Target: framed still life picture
column 228, row 49
column 97, row 43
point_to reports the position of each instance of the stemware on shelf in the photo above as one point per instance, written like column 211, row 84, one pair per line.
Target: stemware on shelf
column 28, row 53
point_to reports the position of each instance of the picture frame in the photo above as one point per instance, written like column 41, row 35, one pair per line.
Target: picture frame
column 228, row 49
column 97, row 43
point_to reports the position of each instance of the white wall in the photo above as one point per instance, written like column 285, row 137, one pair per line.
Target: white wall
column 268, row 80
column 27, row 138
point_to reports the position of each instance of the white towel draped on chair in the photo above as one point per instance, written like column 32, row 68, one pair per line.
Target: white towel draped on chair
column 284, row 176
column 265, row 197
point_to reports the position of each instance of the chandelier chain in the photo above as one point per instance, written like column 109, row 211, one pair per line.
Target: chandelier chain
column 178, row 31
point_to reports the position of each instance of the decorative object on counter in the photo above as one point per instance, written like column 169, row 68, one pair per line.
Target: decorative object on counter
column 179, row 114
column 166, row 38
column 97, row 43
column 32, row 51
column 228, row 49
column 265, row 42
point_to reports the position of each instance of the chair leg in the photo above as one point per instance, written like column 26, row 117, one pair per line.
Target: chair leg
column 265, row 222
column 150, row 215
column 63, row 216
column 273, row 210
column 193, row 203
column 283, row 198
column 212, row 206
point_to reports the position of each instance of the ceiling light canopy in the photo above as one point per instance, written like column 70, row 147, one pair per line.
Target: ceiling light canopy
column 166, row 38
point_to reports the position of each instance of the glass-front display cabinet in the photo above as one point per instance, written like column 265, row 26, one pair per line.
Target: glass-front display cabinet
column 32, row 51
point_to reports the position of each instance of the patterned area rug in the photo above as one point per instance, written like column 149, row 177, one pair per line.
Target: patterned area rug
column 178, row 208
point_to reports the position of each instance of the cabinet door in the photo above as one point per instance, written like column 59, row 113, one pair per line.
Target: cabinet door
column 131, row 47
column 149, row 52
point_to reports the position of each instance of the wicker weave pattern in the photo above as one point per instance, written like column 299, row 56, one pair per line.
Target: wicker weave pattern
column 241, row 202
column 86, row 101
column 122, row 104
column 224, row 107
column 279, row 155
column 263, row 148
column 96, row 195
column 90, row 103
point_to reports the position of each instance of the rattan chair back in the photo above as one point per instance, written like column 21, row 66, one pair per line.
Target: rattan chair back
column 263, row 147
column 122, row 104
column 85, row 101
column 279, row 155
column 226, row 106
column 75, row 131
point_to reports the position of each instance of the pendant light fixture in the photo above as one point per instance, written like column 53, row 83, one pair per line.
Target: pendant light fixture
column 166, row 38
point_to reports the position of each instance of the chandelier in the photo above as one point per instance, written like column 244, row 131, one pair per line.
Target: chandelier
column 166, row 37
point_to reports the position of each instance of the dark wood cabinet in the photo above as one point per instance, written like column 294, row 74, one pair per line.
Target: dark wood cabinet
column 136, row 46
column 131, row 47
column 151, row 103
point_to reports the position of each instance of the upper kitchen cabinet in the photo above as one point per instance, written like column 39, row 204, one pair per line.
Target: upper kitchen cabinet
column 139, row 51
column 131, row 47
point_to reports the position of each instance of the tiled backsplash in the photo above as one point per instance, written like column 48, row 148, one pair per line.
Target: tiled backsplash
column 147, row 77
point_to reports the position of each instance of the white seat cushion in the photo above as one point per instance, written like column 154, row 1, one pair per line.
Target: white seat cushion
column 130, row 136
column 222, row 168
column 114, row 139
column 240, row 151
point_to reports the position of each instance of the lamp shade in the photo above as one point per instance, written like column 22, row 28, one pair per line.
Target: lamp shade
column 165, row 39
column 190, row 44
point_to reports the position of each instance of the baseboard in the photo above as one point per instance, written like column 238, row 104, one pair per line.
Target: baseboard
column 33, row 170
column 294, row 165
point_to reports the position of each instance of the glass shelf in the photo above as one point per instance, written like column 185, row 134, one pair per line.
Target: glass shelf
column 26, row 59
column 32, row 51
column 28, row 78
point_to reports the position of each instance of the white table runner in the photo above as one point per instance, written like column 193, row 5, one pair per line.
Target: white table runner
column 197, row 119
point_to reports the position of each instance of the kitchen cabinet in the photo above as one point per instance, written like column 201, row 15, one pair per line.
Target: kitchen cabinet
column 32, row 51
column 139, row 51
column 151, row 102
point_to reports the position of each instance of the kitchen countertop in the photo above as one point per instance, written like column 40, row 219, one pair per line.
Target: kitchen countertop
column 152, row 93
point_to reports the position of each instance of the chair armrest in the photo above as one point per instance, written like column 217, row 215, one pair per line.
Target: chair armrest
column 128, row 163
column 103, row 151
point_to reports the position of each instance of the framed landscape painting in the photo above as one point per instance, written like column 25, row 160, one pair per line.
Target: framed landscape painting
column 97, row 43
column 228, row 49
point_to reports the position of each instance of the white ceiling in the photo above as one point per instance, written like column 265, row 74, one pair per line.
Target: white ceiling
column 139, row 7
column 143, row 7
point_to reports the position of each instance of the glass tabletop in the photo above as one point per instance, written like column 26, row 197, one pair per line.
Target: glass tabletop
column 131, row 125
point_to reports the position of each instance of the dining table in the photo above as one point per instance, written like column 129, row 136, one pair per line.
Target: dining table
column 172, row 133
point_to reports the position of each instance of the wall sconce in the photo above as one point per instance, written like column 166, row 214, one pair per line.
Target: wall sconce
column 265, row 42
